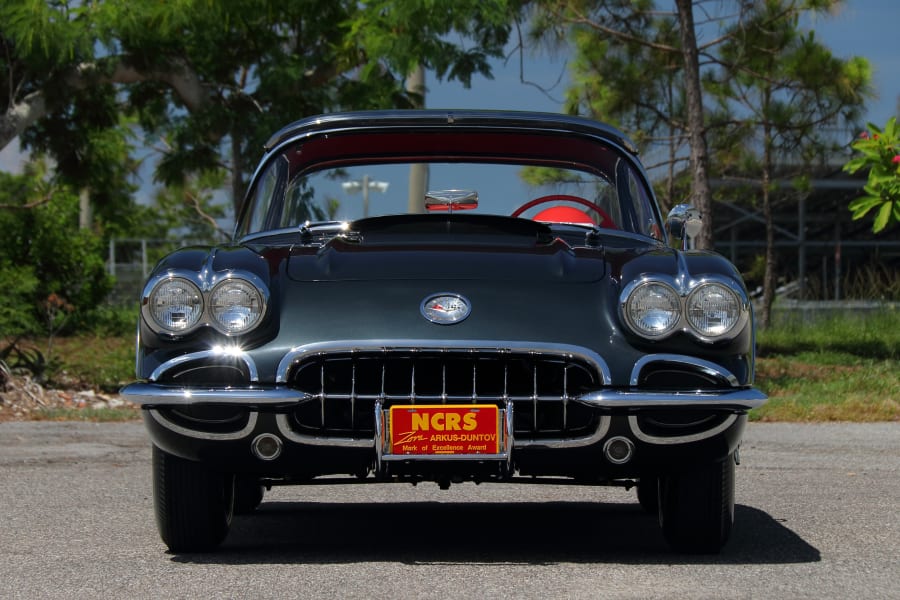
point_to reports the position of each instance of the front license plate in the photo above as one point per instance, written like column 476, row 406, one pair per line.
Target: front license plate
column 434, row 429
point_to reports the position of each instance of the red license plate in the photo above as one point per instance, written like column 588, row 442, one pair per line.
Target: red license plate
column 445, row 429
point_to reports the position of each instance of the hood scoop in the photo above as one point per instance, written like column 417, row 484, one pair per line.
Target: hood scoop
column 449, row 228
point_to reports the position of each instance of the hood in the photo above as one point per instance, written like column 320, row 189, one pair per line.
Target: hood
column 446, row 247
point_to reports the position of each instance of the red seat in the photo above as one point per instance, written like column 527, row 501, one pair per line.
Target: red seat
column 564, row 214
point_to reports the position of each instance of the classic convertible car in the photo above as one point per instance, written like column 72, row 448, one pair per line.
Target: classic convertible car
column 447, row 296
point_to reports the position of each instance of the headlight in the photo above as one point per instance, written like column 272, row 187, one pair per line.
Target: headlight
column 713, row 309
column 652, row 309
column 175, row 305
column 236, row 306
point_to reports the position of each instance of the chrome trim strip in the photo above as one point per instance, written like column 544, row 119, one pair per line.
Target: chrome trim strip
column 496, row 346
column 710, row 368
column 205, row 435
column 314, row 440
column 679, row 439
column 152, row 393
column 602, row 430
column 742, row 399
column 215, row 352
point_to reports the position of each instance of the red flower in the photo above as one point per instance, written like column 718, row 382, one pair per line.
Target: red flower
column 896, row 159
column 864, row 135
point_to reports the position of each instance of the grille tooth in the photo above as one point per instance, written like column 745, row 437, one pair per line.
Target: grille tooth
column 322, row 391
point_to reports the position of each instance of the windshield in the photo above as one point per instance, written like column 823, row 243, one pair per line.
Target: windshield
column 531, row 177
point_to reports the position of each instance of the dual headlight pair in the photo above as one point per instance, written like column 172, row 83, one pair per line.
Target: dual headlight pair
column 176, row 305
column 710, row 310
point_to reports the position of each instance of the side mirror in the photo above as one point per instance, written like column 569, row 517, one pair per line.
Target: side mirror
column 683, row 225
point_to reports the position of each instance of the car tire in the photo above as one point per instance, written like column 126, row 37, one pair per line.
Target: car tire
column 696, row 508
column 248, row 494
column 648, row 494
column 193, row 504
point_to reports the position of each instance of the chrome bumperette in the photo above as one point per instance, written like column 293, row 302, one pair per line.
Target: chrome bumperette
column 710, row 368
column 206, row 435
column 740, row 399
column 152, row 393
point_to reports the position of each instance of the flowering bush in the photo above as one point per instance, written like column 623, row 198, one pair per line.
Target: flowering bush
column 879, row 151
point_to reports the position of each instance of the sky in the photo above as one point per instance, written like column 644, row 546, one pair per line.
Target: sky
column 865, row 28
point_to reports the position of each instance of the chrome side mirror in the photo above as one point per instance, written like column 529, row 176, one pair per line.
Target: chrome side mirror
column 683, row 225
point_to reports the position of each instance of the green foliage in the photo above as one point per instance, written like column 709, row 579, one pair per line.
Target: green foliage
column 405, row 34
column 208, row 82
column 18, row 284
column 54, row 268
column 879, row 152
column 107, row 321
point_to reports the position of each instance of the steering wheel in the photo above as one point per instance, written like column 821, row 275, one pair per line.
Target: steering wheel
column 605, row 220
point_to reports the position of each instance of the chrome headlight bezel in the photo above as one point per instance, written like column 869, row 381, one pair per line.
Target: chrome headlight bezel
column 206, row 288
column 154, row 303
column 253, row 307
column 695, row 321
column 667, row 300
column 687, row 293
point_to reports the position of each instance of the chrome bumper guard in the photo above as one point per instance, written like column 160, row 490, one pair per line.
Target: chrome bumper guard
column 151, row 393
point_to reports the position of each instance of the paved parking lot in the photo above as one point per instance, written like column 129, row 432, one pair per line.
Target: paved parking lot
column 818, row 516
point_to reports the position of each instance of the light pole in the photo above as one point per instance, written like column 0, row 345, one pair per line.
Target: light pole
column 364, row 185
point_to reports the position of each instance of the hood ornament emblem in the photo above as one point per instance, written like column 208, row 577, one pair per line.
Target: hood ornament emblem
column 445, row 308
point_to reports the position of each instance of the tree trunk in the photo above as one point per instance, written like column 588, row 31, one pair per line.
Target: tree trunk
column 85, row 214
column 418, row 172
column 701, row 195
column 237, row 184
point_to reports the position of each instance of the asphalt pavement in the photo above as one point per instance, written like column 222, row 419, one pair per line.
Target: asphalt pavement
column 818, row 516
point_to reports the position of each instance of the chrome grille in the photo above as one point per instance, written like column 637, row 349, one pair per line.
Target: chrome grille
column 342, row 388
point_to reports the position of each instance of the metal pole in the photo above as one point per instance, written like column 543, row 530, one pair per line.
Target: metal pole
column 112, row 257
column 837, row 261
column 365, row 191
column 144, row 257
column 801, row 245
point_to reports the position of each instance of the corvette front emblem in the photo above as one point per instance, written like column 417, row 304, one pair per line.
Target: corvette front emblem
column 445, row 309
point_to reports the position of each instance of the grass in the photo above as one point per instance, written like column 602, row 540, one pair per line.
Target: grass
column 834, row 370
column 105, row 363
column 828, row 386
column 839, row 369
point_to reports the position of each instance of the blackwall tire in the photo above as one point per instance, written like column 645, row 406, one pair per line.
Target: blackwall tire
column 648, row 494
column 193, row 504
column 248, row 494
column 696, row 509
